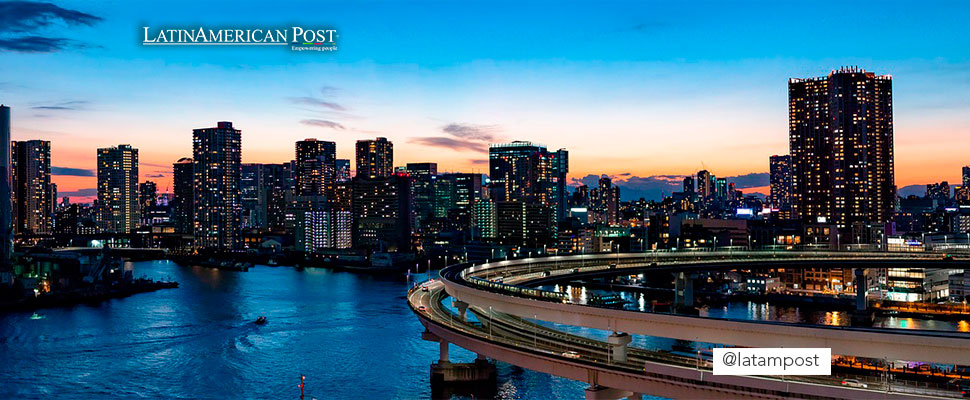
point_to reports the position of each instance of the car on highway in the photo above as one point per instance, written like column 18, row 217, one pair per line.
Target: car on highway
column 422, row 308
column 424, row 288
column 854, row 383
column 571, row 354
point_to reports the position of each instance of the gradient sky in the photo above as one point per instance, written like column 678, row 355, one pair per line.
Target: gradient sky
column 631, row 89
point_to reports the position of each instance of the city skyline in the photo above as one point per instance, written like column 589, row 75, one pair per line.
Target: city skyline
column 672, row 117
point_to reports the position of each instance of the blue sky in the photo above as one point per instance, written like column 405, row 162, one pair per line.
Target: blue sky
column 632, row 89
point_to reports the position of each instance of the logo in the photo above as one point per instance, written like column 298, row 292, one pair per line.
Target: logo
column 296, row 37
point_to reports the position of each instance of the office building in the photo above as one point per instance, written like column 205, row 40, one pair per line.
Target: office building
column 382, row 213
column 423, row 178
column 118, row 189
column 841, row 146
column 527, row 172
column 375, row 158
column 316, row 168
column 604, row 207
column 343, row 169
column 6, row 194
column 780, row 178
column 218, row 207
column 263, row 192
column 31, row 184
column 183, row 203
column 148, row 194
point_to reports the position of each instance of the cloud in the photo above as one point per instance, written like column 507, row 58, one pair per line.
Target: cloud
column 463, row 137
column 67, row 105
column 155, row 176
column 484, row 133
column 313, row 101
column 449, row 143
column 65, row 171
column 19, row 21
column 37, row 44
column 322, row 123
column 91, row 192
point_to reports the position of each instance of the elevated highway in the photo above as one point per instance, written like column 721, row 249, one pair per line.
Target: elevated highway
column 498, row 294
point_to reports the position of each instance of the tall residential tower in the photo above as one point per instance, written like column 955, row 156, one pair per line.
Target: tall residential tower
column 841, row 142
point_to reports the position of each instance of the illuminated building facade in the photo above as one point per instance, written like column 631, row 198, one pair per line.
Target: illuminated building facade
column 183, row 203
column 118, row 192
column 32, row 198
column 527, row 172
column 217, row 170
column 841, row 145
column 375, row 158
column 780, row 180
column 316, row 167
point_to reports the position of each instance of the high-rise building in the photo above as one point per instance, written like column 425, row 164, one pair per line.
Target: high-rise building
column 148, row 194
column 688, row 184
column 605, row 203
column 455, row 194
column 218, row 207
column 705, row 184
column 183, row 203
column 375, row 158
column 382, row 213
column 938, row 191
column 118, row 189
column 343, row 169
column 423, row 177
column 319, row 226
column 527, row 172
column 780, row 177
column 6, row 194
column 316, row 169
column 263, row 191
column 841, row 145
column 31, row 183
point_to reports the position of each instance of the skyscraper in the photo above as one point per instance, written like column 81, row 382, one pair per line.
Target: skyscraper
column 423, row 177
column 118, row 189
column 382, row 213
column 527, row 172
column 966, row 176
column 31, row 184
column 218, row 208
column 343, row 169
column 688, row 184
column 605, row 203
column 148, row 194
column 841, row 144
column 183, row 204
column 264, row 189
column 780, row 177
column 316, row 169
column 705, row 184
column 375, row 158
column 6, row 212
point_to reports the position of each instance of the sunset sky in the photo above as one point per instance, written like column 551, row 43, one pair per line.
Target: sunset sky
column 638, row 90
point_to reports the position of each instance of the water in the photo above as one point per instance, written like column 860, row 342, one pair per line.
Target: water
column 353, row 336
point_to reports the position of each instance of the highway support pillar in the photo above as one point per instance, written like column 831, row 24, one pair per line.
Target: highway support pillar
column 597, row 392
column 860, row 290
column 861, row 316
column 683, row 290
column 462, row 308
column 443, row 352
column 618, row 345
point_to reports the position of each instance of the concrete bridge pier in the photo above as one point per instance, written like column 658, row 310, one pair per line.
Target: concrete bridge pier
column 597, row 392
column 444, row 371
column 861, row 316
column 683, row 290
column 618, row 343
column 462, row 308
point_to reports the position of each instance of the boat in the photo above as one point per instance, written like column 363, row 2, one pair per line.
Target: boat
column 260, row 321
